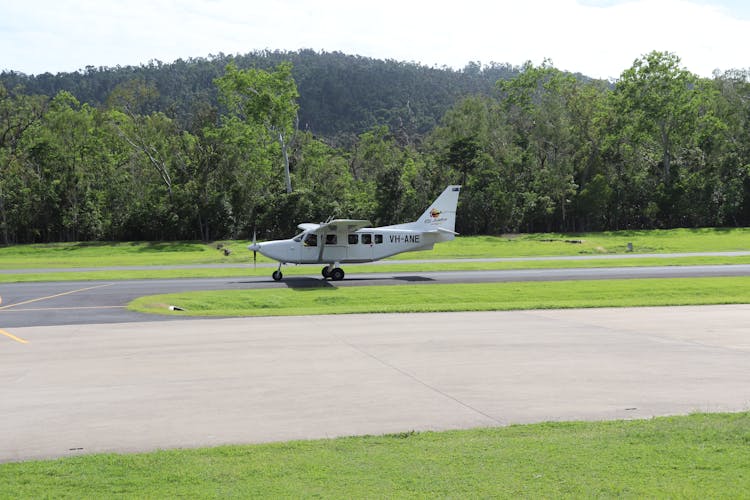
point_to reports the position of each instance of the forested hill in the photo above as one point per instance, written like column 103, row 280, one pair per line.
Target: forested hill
column 340, row 95
column 227, row 147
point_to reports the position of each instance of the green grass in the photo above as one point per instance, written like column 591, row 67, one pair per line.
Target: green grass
column 612, row 242
column 99, row 255
column 102, row 254
column 697, row 456
column 353, row 269
column 72, row 255
column 453, row 297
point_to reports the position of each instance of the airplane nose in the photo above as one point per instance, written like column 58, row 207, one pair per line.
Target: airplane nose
column 277, row 250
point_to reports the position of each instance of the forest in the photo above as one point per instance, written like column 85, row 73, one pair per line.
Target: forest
column 222, row 147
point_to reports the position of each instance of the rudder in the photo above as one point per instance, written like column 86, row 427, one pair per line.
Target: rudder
column 441, row 214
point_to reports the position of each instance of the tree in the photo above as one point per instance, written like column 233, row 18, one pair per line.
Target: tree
column 265, row 98
column 246, row 175
column 537, row 103
column 18, row 113
column 377, row 164
column 68, row 157
column 672, row 130
column 659, row 97
column 474, row 145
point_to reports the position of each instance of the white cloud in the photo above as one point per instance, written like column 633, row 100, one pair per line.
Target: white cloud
column 599, row 38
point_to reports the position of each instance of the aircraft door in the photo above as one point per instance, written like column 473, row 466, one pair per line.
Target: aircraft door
column 309, row 248
column 360, row 246
column 334, row 250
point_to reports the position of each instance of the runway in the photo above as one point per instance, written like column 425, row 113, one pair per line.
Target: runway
column 98, row 302
column 131, row 387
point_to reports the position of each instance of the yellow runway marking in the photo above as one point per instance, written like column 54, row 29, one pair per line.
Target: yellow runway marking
column 13, row 337
column 34, row 309
column 53, row 296
column 18, row 339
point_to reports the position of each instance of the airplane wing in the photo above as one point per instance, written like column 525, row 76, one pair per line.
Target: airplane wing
column 349, row 225
column 306, row 226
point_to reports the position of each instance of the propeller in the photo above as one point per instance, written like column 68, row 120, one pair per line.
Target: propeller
column 255, row 251
column 254, row 248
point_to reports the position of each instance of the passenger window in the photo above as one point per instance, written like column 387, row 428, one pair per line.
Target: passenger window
column 367, row 239
column 330, row 239
column 353, row 239
column 378, row 239
column 311, row 240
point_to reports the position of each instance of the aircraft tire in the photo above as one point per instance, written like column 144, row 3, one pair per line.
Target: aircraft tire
column 325, row 272
column 337, row 274
column 277, row 275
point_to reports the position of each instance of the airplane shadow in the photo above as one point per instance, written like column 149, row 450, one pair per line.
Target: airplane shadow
column 393, row 278
column 308, row 283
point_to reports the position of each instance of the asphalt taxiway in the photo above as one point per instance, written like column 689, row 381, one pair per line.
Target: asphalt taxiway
column 89, row 302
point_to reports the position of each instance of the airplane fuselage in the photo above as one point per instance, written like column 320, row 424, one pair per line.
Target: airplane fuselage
column 364, row 245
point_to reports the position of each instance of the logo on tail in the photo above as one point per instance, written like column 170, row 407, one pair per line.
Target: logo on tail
column 435, row 213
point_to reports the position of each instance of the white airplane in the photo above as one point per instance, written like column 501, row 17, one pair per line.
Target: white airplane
column 354, row 241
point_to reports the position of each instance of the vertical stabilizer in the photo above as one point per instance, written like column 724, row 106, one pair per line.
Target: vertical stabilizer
column 441, row 214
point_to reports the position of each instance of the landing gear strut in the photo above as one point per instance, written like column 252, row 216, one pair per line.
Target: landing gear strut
column 277, row 274
column 333, row 272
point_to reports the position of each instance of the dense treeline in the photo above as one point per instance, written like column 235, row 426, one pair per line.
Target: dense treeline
column 544, row 150
column 340, row 95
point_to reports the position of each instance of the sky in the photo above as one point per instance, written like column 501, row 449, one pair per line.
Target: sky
column 599, row 38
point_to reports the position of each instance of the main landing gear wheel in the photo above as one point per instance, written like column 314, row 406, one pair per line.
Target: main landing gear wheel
column 277, row 275
column 335, row 274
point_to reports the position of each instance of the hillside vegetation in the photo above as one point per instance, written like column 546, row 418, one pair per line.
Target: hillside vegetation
column 341, row 95
column 221, row 147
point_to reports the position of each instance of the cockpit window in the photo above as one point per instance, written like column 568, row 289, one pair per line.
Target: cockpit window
column 311, row 240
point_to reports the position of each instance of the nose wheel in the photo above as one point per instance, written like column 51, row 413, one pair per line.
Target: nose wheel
column 277, row 275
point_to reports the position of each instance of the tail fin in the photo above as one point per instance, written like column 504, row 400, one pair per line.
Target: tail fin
column 441, row 215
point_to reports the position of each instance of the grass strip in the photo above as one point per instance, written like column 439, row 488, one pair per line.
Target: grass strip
column 452, row 297
column 384, row 267
column 696, row 456
column 106, row 254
